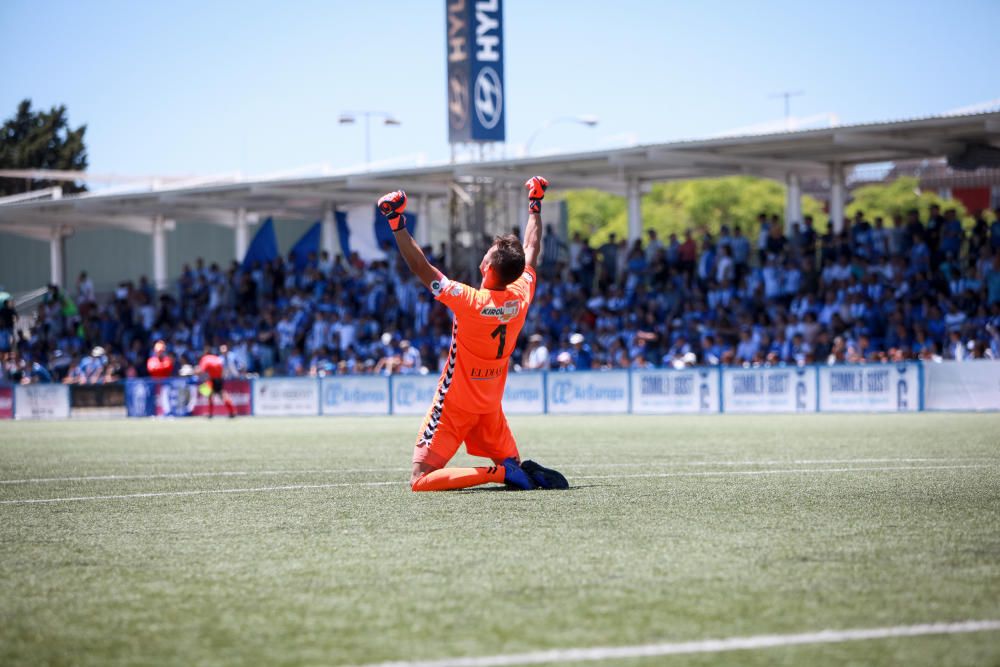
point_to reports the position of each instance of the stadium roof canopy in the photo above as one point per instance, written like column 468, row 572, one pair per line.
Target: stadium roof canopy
column 967, row 140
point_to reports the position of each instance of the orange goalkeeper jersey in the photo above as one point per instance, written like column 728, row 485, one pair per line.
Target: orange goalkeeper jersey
column 486, row 326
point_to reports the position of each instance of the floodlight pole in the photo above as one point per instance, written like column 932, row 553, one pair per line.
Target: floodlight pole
column 788, row 95
column 349, row 117
column 589, row 121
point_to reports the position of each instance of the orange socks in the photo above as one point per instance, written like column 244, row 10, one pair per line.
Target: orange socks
column 458, row 478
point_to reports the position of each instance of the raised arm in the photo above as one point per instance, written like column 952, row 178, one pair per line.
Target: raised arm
column 392, row 206
column 536, row 187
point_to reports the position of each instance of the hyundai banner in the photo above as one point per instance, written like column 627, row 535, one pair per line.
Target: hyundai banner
column 283, row 397
column 880, row 388
column 675, row 391
column 782, row 389
column 41, row 401
column 474, row 46
column 524, row 394
column 351, row 395
column 587, row 392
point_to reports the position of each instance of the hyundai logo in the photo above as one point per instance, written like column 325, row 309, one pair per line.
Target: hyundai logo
column 488, row 98
column 458, row 102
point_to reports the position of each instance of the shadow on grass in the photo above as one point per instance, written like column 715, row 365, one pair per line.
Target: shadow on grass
column 503, row 489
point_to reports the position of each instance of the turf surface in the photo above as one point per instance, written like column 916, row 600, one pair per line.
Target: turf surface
column 675, row 529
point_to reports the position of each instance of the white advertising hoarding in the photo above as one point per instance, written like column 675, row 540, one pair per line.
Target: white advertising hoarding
column 350, row 395
column 781, row 389
column 413, row 394
column 284, row 397
column 588, row 392
column 41, row 401
column 962, row 385
column 694, row 390
column 876, row 388
column 524, row 394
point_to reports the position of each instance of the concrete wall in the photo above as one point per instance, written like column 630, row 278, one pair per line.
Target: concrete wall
column 107, row 255
column 24, row 263
column 112, row 255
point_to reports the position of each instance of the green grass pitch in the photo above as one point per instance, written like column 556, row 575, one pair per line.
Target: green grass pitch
column 676, row 529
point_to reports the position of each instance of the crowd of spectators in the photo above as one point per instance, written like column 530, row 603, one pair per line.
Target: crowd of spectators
column 876, row 292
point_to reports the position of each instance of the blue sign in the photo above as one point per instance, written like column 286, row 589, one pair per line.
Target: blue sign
column 476, row 104
column 175, row 397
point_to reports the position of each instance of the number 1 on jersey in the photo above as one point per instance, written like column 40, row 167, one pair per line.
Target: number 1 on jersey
column 500, row 331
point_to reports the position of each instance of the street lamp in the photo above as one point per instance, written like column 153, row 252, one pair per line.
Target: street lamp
column 589, row 121
column 350, row 117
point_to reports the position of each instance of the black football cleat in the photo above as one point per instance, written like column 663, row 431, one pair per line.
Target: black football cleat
column 515, row 477
column 545, row 478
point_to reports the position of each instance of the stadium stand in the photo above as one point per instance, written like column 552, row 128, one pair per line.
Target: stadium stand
column 874, row 293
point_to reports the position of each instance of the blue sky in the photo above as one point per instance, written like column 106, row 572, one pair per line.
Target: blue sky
column 188, row 87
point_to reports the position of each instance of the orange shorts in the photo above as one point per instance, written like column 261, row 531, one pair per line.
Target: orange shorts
column 486, row 435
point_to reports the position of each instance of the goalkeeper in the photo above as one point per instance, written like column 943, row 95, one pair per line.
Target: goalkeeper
column 467, row 406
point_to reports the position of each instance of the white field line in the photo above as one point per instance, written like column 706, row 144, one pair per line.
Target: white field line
column 335, row 471
column 190, row 475
column 788, row 471
column 197, row 492
column 700, row 646
column 298, row 487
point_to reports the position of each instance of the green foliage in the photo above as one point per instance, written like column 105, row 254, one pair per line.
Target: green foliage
column 896, row 198
column 40, row 140
column 674, row 207
column 595, row 214
column 707, row 204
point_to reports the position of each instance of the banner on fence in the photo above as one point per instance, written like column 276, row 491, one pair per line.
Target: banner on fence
column 175, row 397
column 962, row 385
column 587, row 392
column 349, row 395
column 41, row 401
column 783, row 389
column 240, row 391
column 413, row 394
column 524, row 394
column 104, row 395
column 6, row 402
column 298, row 397
column 675, row 391
column 881, row 388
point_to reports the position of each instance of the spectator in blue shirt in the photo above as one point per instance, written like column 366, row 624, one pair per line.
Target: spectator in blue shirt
column 580, row 353
column 993, row 281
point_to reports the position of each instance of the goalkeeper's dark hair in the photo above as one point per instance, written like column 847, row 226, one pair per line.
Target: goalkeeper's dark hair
column 508, row 260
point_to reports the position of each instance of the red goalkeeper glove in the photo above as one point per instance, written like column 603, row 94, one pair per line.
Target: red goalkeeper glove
column 392, row 206
column 536, row 187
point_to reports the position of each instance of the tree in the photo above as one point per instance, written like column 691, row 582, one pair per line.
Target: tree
column 674, row 207
column 896, row 198
column 41, row 140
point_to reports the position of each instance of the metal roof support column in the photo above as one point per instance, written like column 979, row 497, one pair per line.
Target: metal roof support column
column 160, row 253
column 514, row 218
column 793, row 202
column 328, row 232
column 633, row 196
column 837, row 192
column 423, row 221
column 56, row 257
column 242, row 234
